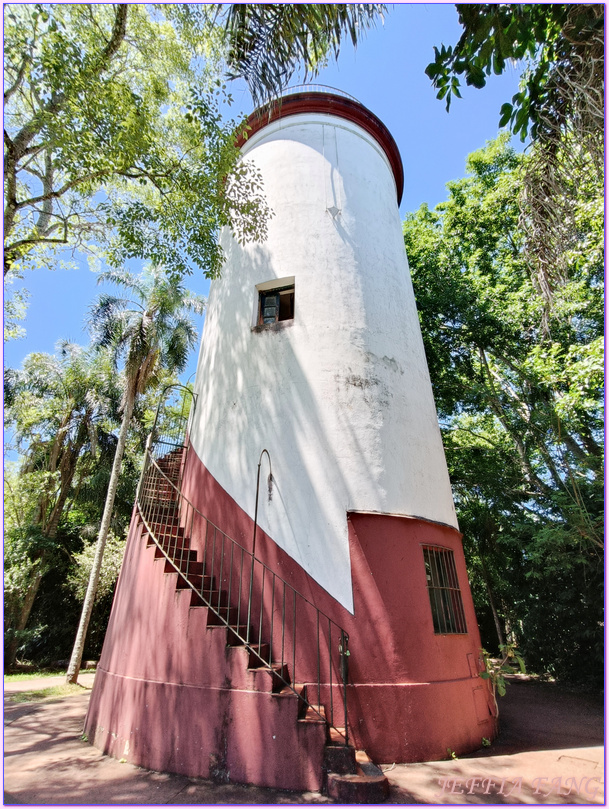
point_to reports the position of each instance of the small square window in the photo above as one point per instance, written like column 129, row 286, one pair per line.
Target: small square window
column 275, row 305
column 444, row 593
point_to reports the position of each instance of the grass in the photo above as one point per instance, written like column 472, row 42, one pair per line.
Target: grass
column 30, row 675
column 65, row 690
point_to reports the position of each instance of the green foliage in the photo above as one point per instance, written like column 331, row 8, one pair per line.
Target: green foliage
column 61, row 412
column 151, row 333
column 544, row 35
column 26, row 551
column 15, row 307
column 511, row 662
column 520, row 409
column 154, row 334
column 560, row 103
column 78, row 578
column 113, row 137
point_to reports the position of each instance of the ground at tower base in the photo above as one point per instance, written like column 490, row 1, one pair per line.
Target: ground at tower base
column 549, row 751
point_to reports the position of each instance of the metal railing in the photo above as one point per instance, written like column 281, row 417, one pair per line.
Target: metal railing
column 280, row 627
column 314, row 88
column 172, row 418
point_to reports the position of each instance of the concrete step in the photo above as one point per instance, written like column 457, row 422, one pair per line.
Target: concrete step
column 189, row 568
column 235, row 633
column 335, row 735
column 175, row 551
column 226, row 615
column 204, row 584
column 315, row 713
column 157, row 498
column 340, row 759
column 166, row 530
column 367, row 785
column 280, row 676
column 177, row 548
column 259, row 655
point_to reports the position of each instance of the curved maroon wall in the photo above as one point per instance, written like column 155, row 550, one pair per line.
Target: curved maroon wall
column 171, row 695
column 398, row 666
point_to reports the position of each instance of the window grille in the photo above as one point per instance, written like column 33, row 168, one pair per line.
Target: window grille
column 444, row 593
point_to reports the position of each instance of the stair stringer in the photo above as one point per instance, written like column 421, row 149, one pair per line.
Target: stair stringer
column 167, row 697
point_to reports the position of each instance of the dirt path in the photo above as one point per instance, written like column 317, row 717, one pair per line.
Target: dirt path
column 550, row 751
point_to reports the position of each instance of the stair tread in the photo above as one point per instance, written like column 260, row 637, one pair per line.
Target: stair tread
column 336, row 735
column 363, row 786
column 312, row 716
column 360, row 776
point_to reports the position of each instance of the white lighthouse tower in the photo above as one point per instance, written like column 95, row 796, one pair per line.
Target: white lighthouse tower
column 312, row 359
column 312, row 347
column 312, row 350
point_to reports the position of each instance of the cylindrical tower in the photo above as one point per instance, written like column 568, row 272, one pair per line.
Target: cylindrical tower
column 336, row 385
column 311, row 351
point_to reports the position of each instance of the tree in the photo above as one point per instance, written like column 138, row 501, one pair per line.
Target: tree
column 152, row 333
column 59, row 409
column 267, row 42
column 113, row 137
column 520, row 407
column 560, row 42
column 560, row 103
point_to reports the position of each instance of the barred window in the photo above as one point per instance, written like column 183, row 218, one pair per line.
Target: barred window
column 444, row 594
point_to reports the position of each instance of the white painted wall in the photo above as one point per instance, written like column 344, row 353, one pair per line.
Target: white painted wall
column 341, row 396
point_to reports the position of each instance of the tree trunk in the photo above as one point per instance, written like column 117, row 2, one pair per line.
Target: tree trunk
column 87, row 607
column 26, row 609
column 491, row 602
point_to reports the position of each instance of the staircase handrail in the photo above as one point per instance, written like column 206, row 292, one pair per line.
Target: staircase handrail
column 148, row 510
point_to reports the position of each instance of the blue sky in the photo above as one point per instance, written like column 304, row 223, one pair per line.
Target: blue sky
column 386, row 74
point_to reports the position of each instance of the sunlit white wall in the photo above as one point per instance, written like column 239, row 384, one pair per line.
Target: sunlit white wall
column 340, row 396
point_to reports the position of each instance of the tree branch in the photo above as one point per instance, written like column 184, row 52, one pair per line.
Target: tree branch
column 118, row 34
column 520, row 448
column 21, row 73
column 49, row 195
column 55, row 103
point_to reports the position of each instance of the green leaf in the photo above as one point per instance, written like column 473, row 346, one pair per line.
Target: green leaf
column 506, row 114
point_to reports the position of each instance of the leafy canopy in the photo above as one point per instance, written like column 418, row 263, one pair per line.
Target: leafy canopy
column 113, row 137
column 521, row 407
column 544, row 35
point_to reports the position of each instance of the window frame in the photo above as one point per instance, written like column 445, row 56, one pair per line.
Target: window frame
column 445, row 599
column 278, row 286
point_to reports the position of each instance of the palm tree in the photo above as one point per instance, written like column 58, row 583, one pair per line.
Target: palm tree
column 268, row 41
column 57, row 407
column 151, row 333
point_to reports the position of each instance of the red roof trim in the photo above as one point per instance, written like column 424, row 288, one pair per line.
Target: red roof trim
column 332, row 105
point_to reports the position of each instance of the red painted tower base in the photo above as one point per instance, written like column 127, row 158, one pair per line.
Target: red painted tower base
column 170, row 694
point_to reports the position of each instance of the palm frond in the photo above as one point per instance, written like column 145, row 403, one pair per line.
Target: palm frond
column 149, row 335
column 268, row 41
column 124, row 279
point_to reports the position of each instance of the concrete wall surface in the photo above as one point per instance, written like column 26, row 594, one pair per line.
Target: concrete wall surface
column 340, row 395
